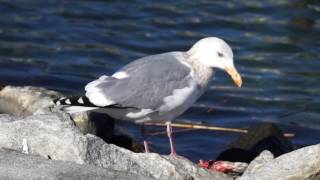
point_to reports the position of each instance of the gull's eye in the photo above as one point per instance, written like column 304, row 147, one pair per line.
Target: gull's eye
column 220, row 54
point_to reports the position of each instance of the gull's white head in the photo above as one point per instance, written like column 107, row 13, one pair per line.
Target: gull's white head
column 215, row 53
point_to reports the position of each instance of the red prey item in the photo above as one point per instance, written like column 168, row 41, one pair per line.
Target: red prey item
column 220, row 166
column 223, row 166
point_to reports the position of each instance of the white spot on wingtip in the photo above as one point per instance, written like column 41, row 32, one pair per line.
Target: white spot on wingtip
column 68, row 101
column 80, row 101
column 58, row 103
column 120, row 75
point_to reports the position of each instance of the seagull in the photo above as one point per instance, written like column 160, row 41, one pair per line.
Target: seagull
column 156, row 87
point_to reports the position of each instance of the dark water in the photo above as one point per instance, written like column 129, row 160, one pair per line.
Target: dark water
column 62, row 45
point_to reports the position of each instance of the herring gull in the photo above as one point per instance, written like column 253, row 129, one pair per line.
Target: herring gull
column 156, row 87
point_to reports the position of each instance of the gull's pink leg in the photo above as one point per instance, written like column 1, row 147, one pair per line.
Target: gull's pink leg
column 146, row 146
column 145, row 142
column 169, row 133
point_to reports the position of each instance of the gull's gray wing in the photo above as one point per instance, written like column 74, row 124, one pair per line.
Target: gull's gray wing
column 147, row 82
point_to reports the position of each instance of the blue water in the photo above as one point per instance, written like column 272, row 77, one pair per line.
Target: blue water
column 62, row 45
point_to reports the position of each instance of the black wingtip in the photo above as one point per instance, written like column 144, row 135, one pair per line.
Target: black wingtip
column 84, row 101
column 74, row 101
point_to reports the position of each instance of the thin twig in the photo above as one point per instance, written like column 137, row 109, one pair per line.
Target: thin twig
column 159, row 133
column 207, row 127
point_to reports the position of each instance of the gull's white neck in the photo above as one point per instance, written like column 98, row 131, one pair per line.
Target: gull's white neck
column 206, row 54
column 202, row 73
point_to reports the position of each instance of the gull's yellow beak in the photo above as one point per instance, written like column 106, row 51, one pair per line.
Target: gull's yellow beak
column 232, row 71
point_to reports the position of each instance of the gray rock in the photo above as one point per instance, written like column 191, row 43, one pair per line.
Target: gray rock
column 14, row 165
column 264, row 157
column 50, row 135
column 28, row 100
column 24, row 101
column 152, row 164
column 301, row 164
column 55, row 135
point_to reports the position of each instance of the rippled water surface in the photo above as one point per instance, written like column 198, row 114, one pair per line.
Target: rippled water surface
column 62, row 45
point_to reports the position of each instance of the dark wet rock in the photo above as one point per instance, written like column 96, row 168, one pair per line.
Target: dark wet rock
column 301, row 164
column 105, row 127
column 95, row 123
column 262, row 137
column 127, row 142
column 236, row 155
column 15, row 165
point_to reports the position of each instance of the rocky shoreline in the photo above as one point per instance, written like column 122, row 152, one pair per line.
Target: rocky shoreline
column 38, row 141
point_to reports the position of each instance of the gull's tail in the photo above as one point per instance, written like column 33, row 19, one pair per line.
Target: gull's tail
column 74, row 104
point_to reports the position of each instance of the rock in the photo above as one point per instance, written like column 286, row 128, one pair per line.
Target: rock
column 24, row 101
column 301, row 164
column 262, row 137
column 15, row 165
column 55, row 136
column 236, row 155
column 151, row 164
column 50, row 135
column 264, row 157
column 28, row 100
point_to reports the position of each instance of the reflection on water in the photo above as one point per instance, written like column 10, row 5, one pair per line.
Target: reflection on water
column 63, row 45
